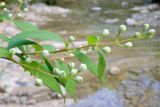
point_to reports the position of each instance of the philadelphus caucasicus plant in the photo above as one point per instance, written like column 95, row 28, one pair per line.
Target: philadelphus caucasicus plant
column 41, row 61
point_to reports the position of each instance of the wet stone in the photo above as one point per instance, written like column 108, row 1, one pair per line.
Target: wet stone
column 101, row 98
column 31, row 102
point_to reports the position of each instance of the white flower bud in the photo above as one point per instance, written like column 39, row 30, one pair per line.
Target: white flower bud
column 71, row 54
column 107, row 49
column 45, row 53
column 90, row 49
column 79, row 79
column 28, row 60
column 5, row 9
column 146, row 26
column 2, row 4
column 128, row 44
column 56, row 70
column 105, row 32
column 10, row 15
column 38, row 82
column 72, row 39
column 122, row 28
column 71, row 64
column 138, row 34
column 151, row 32
column 62, row 73
column 25, row 9
column 74, row 71
column 12, row 51
column 20, row 15
column 82, row 67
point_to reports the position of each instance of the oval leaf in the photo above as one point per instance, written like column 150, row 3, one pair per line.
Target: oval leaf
column 4, row 38
column 71, row 88
column 20, row 42
column 86, row 60
column 93, row 40
column 38, row 34
column 25, row 26
column 101, row 64
column 4, row 53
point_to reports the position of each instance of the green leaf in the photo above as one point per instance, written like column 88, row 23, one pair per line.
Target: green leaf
column 38, row 71
column 86, row 60
column 93, row 40
column 49, row 65
column 50, row 48
column 71, row 88
column 20, row 42
column 4, row 53
column 4, row 16
column 25, row 26
column 101, row 64
column 38, row 34
column 4, row 38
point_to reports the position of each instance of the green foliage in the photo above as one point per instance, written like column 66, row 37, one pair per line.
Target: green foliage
column 101, row 64
column 38, row 34
column 4, row 53
column 4, row 38
column 19, row 42
column 93, row 40
column 71, row 88
column 25, row 26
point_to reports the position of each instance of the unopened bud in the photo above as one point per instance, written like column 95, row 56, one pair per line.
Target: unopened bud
column 74, row 71
column 146, row 26
column 122, row 28
column 72, row 39
column 79, row 79
column 12, row 51
column 83, row 67
column 45, row 53
column 28, row 60
column 56, row 70
column 2, row 4
column 25, row 9
column 62, row 73
column 128, row 44
column 38, row 82
column 137, row 34
column 107, row 49
column 151, row 33
column 105, row 32
column 71, row 64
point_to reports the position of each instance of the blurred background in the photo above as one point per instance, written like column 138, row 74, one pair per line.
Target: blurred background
column 132, row 75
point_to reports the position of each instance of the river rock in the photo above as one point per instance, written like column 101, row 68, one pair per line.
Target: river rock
column 44, row 9
column 131, row 22
column 102, row 98
column 152, row 18
column 15, row 76
column 114, row 70
column 112, row 20
column 11, row 29
column 96, row 9
column 149, row 7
